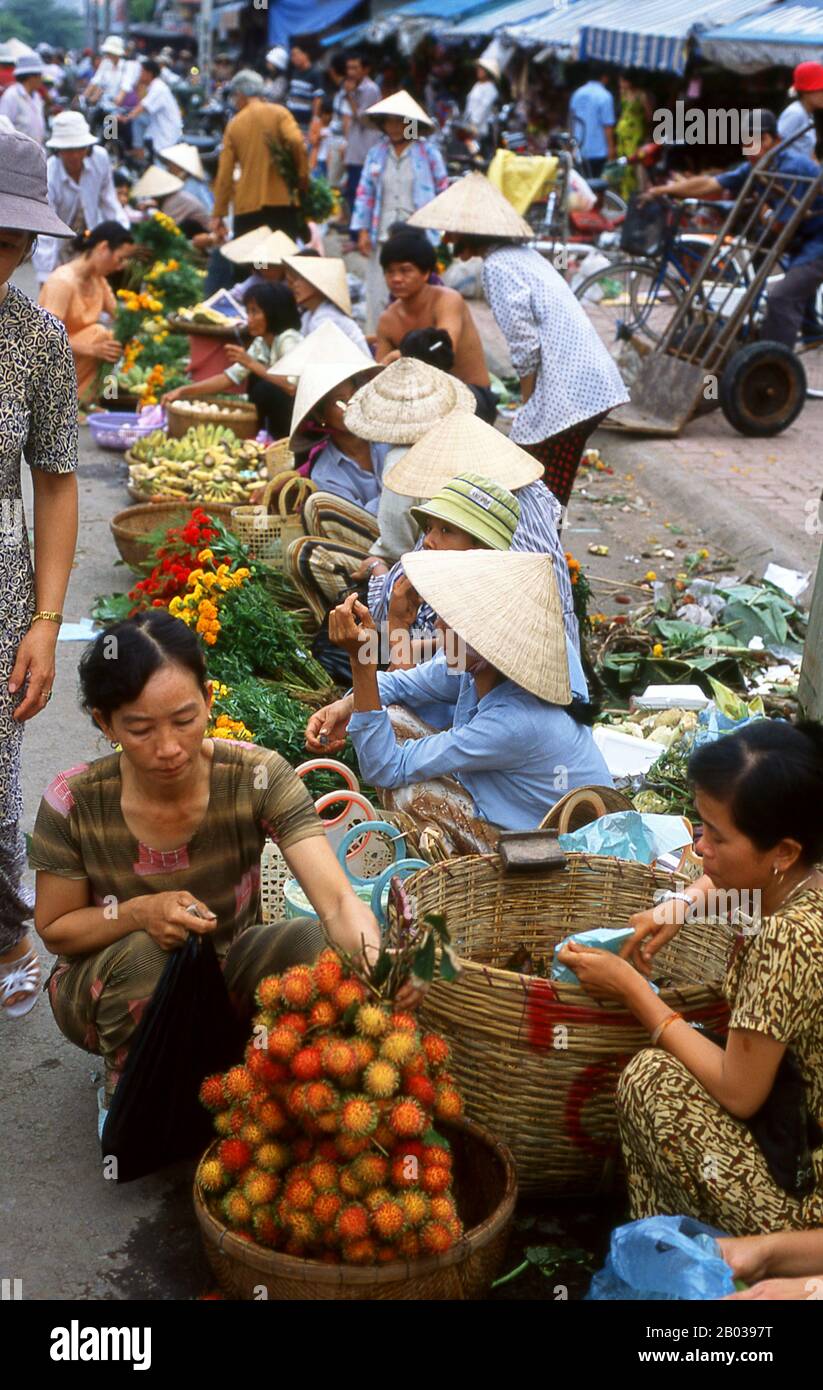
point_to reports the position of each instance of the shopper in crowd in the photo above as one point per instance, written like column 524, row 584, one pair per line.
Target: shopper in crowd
column 39, row 391
column 78, row 293
column 482, row 99
column 277, row 83
column 22, row 103
column 108, row 80
column 797, row 121
column 321, row 289
column 305, row 84
column 183, row 160
column 361, row 132
column 402, row 172
column 260, row 196
column 592, row 122
column 631, row 130
column 80, row 186
column 164, row 126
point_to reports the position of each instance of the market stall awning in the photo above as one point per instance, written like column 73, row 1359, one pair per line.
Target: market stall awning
column 655, row 34
column 780, row 34
column 288, row 17
column 556, row 30
column 499, row 17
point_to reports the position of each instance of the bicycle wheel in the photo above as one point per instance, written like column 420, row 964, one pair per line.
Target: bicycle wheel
column 629, row 306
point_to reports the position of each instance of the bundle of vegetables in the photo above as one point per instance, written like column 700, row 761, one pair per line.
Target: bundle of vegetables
column 208, row 464
column 315, row 198
column 327, row 1142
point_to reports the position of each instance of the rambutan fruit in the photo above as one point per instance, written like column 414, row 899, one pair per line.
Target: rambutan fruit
column 443, row 1208
column 358, row 1116
column 435, row 1238
column 403, row 1023
column 260, row 1188
column 212, row 1093
column 323, row 1175
column 237, row 1083
column 263, row 1071
column 417, row 1065
column 388, row 1220
column 302, row 1149
column 283, row 1043
column 307, row 1064
column 454, row 1226
column 267, row 994
column 272, row 1156
column 302, row 1227
column 321, row 1096
column 327, row 971
column 266, row 1227
column 235, row 1119
column 295, row 1020
column 352, row 1222
column 323, row 1014
column 448, row 1103
column 296, row 1099
column 223, row 1123
column 420, row 1087
column 234, row 1154
column 350, row 1145
column 360, row 1252
column 326, row 1208
column 436, row 1150
column 405, row 1170
column 364, row 1051
column 236, row 1208
column 350, row 1184
column 398, row 1047
column 416, row 1205
column 212, row 1176
column 386, row 1254
column 371, row 1021
column 381, row 1079
column 383, row 1136
column 253, row 1133
column 298, row 1192
column 434, row 1180
column 407, row 1117
column 297, row 987
column 348, row 992
column 338, row 1058
column 377, row 1197
column 328, row 1122
column 371, row 1169
column 408, row 1246
column 436, row 1049
column 270, row 1115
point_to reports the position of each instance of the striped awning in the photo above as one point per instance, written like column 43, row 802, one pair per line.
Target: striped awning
column 655, row 34
column 504, row 17
column 781, row 34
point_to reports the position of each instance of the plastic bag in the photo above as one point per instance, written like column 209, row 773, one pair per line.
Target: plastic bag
column 643, row 837
column 663, row 1258
column 189, row 1029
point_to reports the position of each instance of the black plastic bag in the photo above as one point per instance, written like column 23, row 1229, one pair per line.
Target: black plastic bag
column 188, row 1031
column 644, row 227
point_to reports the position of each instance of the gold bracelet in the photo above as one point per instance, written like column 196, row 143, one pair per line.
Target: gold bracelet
column 48, row 617
column 661, row 1028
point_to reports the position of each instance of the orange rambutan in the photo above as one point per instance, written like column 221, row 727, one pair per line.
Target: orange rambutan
column 407, row 1117
column 436, row 1049
column 328, row 971
column 326, row 1208
column 237, row 1083
column 350, row 1145
column 381, row 1079
column 353, row 1222
column 253, row 1133
column 266, row 1227
column 371, row 1169
column 408, row 1246
column 405, row 1170
column 398, row 1047
column 377, row 1197
column 420, row 1087
column 262, row 1069
column 234, row 1154
column 303, row 1228
column 236, row 1208
column 212, row 1176
column 435, row 1238
column 323, row 1175
column 371, row 1021
column 295, row 1020
column 417, row 1065
column 212, row 1093
column 298, row 1191
column 283, row 1042
column 322, row 1014
column 295, row 1099
column 443, row 1207
column 272, row 1156
column 338, row 1058
column 307, row 1064
column 320, row 1097
column 267, row 994
column 436, row 1151
column 350, row 1184
column 297, row 987
column 416, row 1205
column 403, row 1023
column 270, row 1114
column 260, row 1188
column 448, row 1103
column 328, row 1122
column 358, row 1116
column 360, row 1252
column 348, row 992
column 364, row 1051
column 388, row 1220
column 434, row 1180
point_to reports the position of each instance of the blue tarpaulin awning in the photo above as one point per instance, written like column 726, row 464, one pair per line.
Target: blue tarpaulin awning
column 288, row 17
column 499, row 17
column 783, row 34
column 655, row 34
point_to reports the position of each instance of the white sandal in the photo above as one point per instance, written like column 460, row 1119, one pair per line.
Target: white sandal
column 20, row 977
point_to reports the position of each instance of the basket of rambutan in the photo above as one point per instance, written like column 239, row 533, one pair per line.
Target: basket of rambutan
column 343, row 1167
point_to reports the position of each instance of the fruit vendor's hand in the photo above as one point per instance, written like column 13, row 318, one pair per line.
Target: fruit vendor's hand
column 326, row 730
column 166, row 919
column 351, row 627
column 806, row 1287
column 652, row 929
column 601, row 974
column 748, row 1257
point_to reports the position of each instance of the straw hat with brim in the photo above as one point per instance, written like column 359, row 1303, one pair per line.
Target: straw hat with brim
column 24, row 198
column 328, row 343
column 491, row 66
column 459, row 444
column 156, row 183
column 316, row 381
column 505, row 606
column 185, row 157
column 400, row 104
column 327, row 274
column 487, row 512
column 274, row 249
column 70, row 131
column 474, row 207
column 240, row 250
column 405, row 401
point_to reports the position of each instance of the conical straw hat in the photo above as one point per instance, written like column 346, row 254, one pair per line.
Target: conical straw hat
column 405, row 401
column 400, row 104
column 272, row 249
column 156, row 183
column 461, row 444
column 473, row 206
column 327, row 274
column 506, row 606
column 240, row 250
column 316, row 381
column 185, row 157
column 328, row 343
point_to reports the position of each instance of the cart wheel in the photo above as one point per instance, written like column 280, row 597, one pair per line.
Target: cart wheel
column 763, row 389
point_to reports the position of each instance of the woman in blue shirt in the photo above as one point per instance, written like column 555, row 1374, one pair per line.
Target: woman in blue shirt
column 509, row 685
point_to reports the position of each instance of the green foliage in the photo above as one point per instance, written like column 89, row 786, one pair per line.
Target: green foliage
column 40, row 21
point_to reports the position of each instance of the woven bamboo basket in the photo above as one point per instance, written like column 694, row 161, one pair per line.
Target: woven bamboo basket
column 538, row 1060
column 130, row 527
column 240, row 417
column 278, row 458
column 267, row 533
column 485, row 1188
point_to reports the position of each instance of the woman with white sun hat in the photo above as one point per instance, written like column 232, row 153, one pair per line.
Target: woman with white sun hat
column 320, row 286
column 80, row 187
column 184, row 161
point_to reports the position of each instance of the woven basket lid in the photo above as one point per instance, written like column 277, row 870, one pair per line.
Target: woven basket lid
column 405, row 401
column 506, row 606
column 583, row 805
column 473, row 206
column 156, row 183
column 273, row 249
column 401, row 104
column 185, row 157
column 461, row 444
column 240, row 250
column 327, row 274
column 316, row 381
column 327, row 343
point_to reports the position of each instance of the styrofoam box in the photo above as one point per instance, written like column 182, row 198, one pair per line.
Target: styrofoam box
column 671, row 697
column 626, row 756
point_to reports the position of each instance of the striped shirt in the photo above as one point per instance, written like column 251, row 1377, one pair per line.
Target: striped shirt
column 81, row 833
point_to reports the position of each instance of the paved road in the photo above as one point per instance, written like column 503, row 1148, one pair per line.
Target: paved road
column 67, row 1232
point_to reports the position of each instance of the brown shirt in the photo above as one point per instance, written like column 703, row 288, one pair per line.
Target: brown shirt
column 80, row 833
column 247, row 142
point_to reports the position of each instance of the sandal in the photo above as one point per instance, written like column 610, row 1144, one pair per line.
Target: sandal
column 20, row 976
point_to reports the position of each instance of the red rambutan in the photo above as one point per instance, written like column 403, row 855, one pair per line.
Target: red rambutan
column 405, row 1170
column 388, row 1220
column 360, row 1252
column 328, row 971
column 338, row 1058
column 420, row 1087
column 323, row 1175
column 398, row 1047
column 326, row 1208
column 212, row 1176
column 443, row 1208
column 352, row 1222
column 297, row 1021
column 283, row 1042
column 364, row 1051
column 234, row 1154
column 236, row 1208
column 371, row 1021
column 298, row 1192
column 348, row 992
column 436, row 1151
column 265, row 1072
column 320, row 1097
column 448, row 1103
column 266, row 1227
column 270, row 1114
column 267, row 994
column 297, row 987
column 307, row 1064
column 435, row 1238
column 407, row 1117
column 212, row 1093
column 417, row 1065
column 323, row 1014
column 434, row 1180
column 403, row 1023
column 358, row 1116
column 436, row 1049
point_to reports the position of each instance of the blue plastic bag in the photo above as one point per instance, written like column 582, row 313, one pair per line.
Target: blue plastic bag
column 663, row 1258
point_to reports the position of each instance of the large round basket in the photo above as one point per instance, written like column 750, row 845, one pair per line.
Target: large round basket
column 485, row 1187
column 538, row 1060
column 131, row 526
column 239, row 416
column 205, row 330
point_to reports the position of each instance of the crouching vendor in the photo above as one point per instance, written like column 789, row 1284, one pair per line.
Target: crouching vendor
column 136, row 849
column 511, row 692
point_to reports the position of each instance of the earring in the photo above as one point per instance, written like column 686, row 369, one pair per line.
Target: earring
column 777, row 874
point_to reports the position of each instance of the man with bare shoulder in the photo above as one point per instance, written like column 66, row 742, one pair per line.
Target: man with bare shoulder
column 407, row 259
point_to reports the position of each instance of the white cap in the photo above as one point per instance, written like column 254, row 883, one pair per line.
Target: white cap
column 278, row 57
column 70, row 131
column 114, row 45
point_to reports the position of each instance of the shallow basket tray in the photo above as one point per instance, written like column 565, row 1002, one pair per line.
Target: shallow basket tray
column 239, row 416
column 132, row 524
column 485, row 1189
column 537, row 1060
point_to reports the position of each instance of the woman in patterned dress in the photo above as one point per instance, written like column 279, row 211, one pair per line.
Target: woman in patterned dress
column 683, row 1105
column 38, row 418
